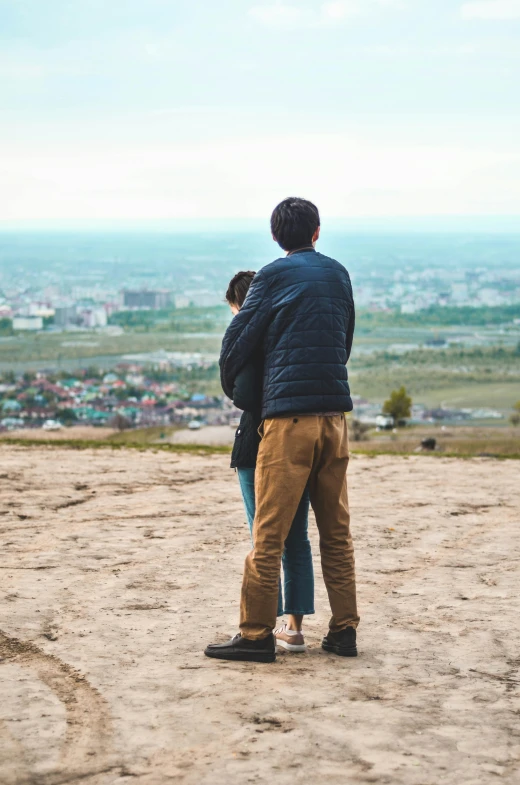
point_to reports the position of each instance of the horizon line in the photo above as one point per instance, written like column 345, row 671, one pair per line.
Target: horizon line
column 469, row 222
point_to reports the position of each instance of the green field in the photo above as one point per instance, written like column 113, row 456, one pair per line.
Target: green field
column 464, row 441
column 428, row 390
column 56, row 349
column 487, row 377
column 458, row 442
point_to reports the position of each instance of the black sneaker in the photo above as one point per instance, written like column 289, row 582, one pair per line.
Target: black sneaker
column 342, row 643
column 239, row 648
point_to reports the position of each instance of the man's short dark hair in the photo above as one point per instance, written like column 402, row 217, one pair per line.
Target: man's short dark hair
column 294, row 222
column 239, row 287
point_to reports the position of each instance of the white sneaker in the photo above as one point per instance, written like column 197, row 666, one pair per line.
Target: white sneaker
column 290, row 639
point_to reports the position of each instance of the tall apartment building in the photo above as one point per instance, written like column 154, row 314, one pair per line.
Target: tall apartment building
column 65, row 314
column 153, row 300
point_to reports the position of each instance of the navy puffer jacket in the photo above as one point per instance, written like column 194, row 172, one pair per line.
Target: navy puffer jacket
column 300, row 310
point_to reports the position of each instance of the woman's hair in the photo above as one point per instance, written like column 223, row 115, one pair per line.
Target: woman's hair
column 239, row 287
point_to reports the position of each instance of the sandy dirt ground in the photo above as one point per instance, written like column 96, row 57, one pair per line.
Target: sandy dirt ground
column 118, row 567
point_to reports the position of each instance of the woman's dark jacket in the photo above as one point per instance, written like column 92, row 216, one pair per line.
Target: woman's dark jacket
column 247, row 395
column 300, row 311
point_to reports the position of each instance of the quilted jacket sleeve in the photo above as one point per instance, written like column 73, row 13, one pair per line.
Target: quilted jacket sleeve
column 247, row 392
column 245, row 332
column 350, row 330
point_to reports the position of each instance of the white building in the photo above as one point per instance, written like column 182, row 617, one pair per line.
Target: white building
column 460, row 293
column 181, row 301
column 94, row 317
column 39, row 309
column 27, row 323
column 203, row 299
column 489, row 296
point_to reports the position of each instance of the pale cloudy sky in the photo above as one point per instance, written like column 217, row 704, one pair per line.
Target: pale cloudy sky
column 134, row 110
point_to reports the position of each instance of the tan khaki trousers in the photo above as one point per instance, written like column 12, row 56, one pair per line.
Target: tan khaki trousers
column 295, row 451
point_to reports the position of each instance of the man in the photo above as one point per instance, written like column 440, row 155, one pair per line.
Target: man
column 300, row 310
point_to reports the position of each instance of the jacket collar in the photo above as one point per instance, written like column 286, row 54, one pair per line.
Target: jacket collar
column 308, row 249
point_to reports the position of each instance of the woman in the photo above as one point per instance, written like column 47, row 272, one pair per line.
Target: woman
column 297, row 598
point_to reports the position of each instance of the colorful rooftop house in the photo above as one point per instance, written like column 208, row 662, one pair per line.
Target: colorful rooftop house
column 128, row 411
column 100, row 416
column 89, row 413
column 11, row 406
column 91, row 395
column 110, row 378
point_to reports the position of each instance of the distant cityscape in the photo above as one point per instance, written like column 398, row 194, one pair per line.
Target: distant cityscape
column 413, row 291
column 51, row 306
column 142, row 298
column 59, row 284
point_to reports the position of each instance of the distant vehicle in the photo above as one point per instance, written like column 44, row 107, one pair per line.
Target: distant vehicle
column 194, row 425
column 12, row 423
column 52, row 425
column 384, row 422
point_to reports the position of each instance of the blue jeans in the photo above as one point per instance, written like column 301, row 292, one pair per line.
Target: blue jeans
column 298, row 574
